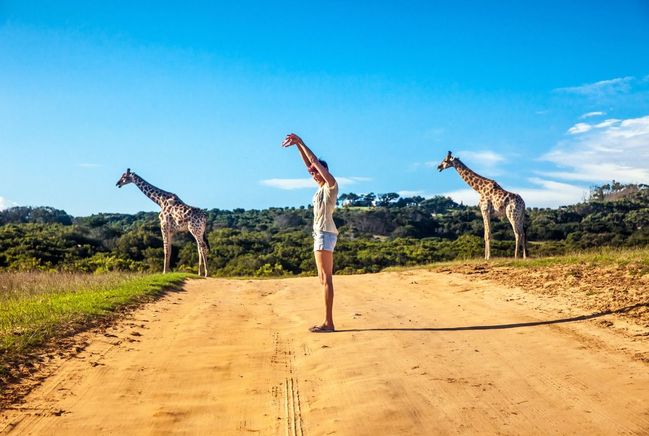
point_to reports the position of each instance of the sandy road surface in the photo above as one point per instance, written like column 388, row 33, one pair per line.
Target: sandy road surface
column 417, row 353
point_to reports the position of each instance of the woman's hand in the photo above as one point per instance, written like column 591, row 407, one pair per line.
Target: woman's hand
column 292, row 139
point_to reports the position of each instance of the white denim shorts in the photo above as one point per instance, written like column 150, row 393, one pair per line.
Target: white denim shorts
column 324, row 241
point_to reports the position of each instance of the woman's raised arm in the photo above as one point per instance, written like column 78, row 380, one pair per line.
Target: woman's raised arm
column 309, row 158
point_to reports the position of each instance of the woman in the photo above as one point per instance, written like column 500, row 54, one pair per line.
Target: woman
column 324, row 228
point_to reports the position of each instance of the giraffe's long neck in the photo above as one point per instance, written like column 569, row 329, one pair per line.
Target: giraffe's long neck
column 473, row 179
column 155, row 194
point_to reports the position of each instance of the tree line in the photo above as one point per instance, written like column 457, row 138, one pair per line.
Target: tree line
column 376, row 231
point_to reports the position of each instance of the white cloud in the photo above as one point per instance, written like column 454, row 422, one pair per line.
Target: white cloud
column 291, row 184
column 607, row 123
column 611, row 150
column 592, row 114
column 579, row 128
column 585, row 127
column 618, row 85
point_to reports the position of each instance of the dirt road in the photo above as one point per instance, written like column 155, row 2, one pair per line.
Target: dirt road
column 417, row 353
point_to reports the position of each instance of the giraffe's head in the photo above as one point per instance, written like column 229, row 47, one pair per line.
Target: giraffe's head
column 126, row 178
column 447, row 162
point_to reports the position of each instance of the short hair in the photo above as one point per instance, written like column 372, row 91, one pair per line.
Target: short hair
column 323, row 163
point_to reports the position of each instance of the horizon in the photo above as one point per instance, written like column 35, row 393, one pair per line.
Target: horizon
column 196, row 99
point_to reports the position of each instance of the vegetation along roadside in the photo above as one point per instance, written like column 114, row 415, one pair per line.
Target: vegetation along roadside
column 39, row 309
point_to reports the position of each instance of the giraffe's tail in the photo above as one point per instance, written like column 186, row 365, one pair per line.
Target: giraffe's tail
column 207, row 242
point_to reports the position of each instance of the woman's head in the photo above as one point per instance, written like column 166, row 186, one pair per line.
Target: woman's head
column 316, row 174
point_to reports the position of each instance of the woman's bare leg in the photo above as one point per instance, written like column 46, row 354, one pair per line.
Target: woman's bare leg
column 325, row 262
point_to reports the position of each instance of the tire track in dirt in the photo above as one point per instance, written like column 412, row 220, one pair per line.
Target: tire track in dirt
column 416, row 353
column 283, row 358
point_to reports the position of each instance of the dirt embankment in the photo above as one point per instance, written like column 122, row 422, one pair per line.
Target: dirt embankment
column 622, row 290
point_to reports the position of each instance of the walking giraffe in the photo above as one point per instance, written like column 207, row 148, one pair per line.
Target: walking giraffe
column 175, row 216
column 493, row 199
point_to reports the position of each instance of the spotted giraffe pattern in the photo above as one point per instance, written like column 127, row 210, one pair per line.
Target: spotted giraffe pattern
column 493, row 200
column 175, row 216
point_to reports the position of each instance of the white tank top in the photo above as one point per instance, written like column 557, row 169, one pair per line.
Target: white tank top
column 324, row 204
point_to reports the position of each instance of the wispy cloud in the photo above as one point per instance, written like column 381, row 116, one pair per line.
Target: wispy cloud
column 579, row 128
column 585, row 127
column 291, row 184
column 611, row 150
column 618, row 85
column 592, row 114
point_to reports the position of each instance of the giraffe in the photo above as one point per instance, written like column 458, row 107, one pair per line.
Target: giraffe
column 175, row 216
column 493, row 199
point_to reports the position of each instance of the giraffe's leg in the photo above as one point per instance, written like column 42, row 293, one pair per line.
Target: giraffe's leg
column 167, row 267
column 517, row 238
column 518, row 232
column 524, row 242
column 200, row 258
column 202, row 249
column 166, row 245
column 521, row 234
column 484, row 208
column 510, row 217
column 516, row 216
column 167, row 236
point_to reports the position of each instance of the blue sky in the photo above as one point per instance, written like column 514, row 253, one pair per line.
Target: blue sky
column 547, row 98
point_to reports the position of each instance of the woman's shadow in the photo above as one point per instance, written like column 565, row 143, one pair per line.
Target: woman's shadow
column 498, row 326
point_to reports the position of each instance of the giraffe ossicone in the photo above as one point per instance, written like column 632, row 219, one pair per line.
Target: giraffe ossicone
column 493, row 200
column 175, row 216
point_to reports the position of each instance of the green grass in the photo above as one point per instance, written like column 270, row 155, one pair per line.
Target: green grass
column 36, row 308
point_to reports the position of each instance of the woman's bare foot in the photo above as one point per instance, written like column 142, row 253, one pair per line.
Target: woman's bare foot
column 322, row 329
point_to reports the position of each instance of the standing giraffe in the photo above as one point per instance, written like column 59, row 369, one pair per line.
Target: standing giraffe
column 493, row 199
column 175, row 216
